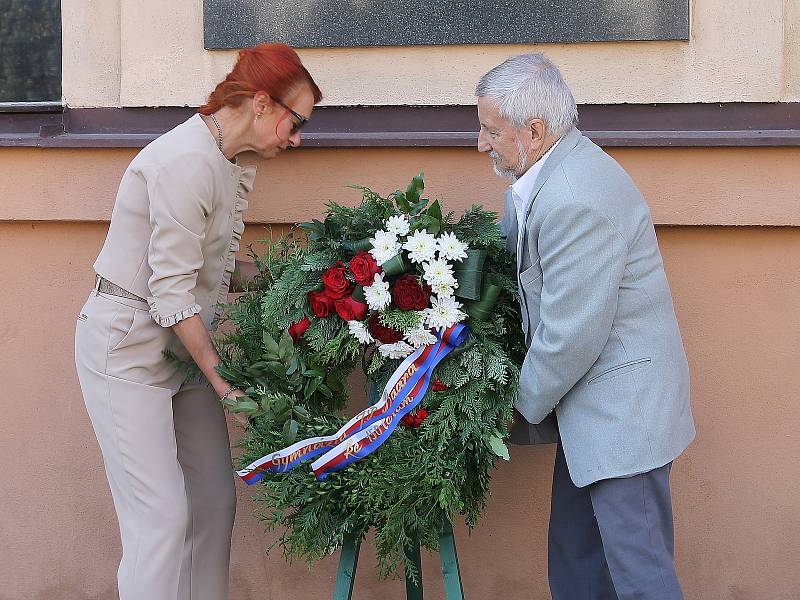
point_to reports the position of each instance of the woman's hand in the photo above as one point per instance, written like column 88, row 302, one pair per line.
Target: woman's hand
column 196, row 339
column 240, row 418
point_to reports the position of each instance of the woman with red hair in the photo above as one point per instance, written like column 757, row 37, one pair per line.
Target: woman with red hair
column 165, row 267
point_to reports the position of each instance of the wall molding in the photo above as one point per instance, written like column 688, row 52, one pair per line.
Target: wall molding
column 610, row 125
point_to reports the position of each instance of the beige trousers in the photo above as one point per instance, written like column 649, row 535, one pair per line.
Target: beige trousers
column 166, row 453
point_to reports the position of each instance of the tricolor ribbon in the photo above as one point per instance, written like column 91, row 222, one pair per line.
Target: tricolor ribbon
column 366, row 431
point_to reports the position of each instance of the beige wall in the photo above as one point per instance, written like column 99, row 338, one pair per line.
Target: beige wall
column 737, row 295
column 735, row 489
column 684, row 186
column 729, row 231
column 791, row 44
column 150, row 53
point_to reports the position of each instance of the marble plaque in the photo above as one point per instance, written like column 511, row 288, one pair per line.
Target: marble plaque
column 340, row 23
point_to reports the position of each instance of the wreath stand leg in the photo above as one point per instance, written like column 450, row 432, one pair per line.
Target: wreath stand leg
column 413, row 579
column 454, row 590
column 346, row 575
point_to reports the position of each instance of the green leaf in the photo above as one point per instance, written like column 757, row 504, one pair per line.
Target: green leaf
column 314, row 226
column 257, row 369
column 226, row 373
column 279, row 405
column 243, row 404
column 301, row 413
column 293, row 364
column 433, row 218
column 414, row 189
column 289, row 431
column 417, row 208
column 285, row 346
column 270, row 344
column 402, row 203
column 499, row 448
column 228, row 402
column 312, row 386
column 277, row 369
column 435, row 211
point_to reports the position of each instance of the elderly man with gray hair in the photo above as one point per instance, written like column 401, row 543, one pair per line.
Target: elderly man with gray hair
column 605, row 375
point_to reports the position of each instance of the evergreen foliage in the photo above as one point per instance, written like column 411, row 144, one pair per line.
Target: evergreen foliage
column 420, row 477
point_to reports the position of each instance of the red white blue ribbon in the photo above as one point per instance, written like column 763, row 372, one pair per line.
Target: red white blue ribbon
column 366, row 431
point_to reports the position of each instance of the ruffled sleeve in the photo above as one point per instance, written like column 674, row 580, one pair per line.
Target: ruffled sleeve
column 246, row 177
column 180, row 197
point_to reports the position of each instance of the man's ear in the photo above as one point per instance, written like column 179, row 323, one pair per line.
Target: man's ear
column 537, row 130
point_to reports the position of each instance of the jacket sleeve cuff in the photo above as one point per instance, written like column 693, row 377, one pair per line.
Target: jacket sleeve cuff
column 171, row 319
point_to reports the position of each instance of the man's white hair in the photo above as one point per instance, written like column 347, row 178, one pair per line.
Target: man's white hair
column 530, row 86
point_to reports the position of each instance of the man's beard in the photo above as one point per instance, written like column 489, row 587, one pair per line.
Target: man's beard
column 512, row 173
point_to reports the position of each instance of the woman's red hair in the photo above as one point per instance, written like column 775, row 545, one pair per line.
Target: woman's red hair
column 272, row 68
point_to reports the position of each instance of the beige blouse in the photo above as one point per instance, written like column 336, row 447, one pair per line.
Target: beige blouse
column 176, row 225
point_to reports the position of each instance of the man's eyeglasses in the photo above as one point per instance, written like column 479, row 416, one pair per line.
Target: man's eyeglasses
column 301, row 120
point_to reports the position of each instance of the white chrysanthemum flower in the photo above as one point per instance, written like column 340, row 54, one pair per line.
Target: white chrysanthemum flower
column 398, row 225
column 419, row 336
column 396, row 350
column 438, row 271
column 359, row 331
column 450, row 247
column 444, row 312
column 382, row 236
column 444, row 288
column 421, row 246
column 377, row 294
column 385, row 245
column 384, row 254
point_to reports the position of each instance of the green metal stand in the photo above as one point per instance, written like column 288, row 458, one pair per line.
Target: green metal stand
column 346, row 575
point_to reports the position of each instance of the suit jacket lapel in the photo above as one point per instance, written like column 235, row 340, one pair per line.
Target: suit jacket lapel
column 565, row 146
column 509, row 226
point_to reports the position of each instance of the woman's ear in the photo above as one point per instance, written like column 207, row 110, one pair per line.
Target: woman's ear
column 262, row 102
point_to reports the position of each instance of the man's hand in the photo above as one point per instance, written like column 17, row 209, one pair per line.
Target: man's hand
column 244, row 273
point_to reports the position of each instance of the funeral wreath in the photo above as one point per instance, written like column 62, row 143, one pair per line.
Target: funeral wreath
column 424, row 303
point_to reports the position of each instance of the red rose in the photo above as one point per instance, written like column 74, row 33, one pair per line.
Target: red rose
column 384, row 334
column 335, row 281
column 350, row 309
column 408, row 294
column 298, row 329
column 414, row 418
column 364, row 268
column 321, row 303
column 438, row 386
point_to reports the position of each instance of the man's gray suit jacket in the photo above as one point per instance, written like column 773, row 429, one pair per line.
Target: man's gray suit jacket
column 604, row 348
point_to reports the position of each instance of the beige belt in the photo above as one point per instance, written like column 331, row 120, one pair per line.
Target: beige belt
column 104, row 286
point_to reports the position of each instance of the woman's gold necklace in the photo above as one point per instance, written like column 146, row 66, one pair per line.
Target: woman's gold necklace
column 219, row 132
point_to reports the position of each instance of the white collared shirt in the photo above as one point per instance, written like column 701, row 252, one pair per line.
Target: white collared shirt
column 523, row 187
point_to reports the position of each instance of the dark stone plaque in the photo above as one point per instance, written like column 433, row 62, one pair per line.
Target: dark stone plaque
column 337, row 23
